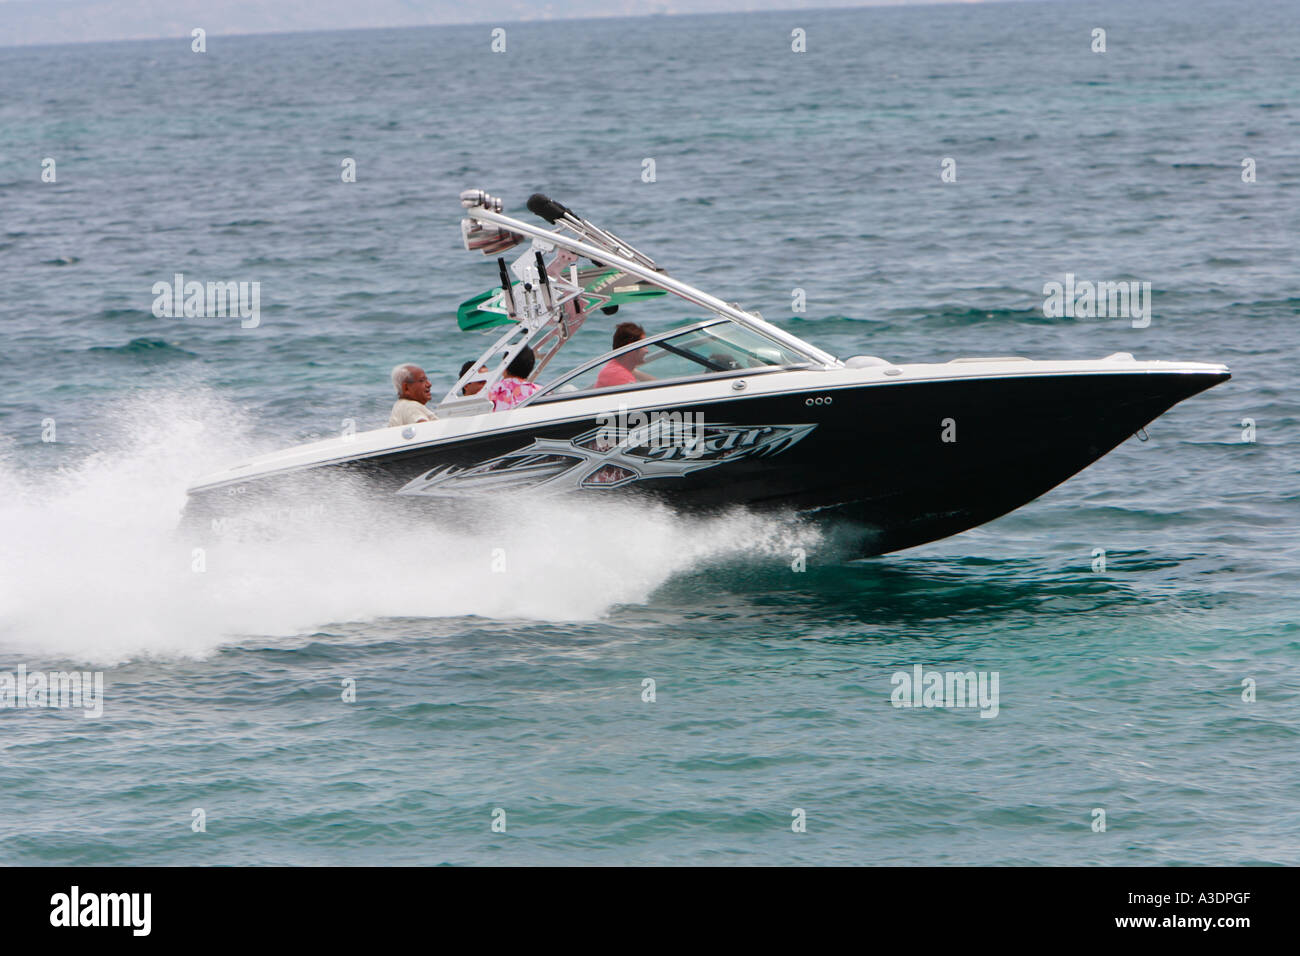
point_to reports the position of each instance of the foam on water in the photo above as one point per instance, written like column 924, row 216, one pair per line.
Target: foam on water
column 100, row 569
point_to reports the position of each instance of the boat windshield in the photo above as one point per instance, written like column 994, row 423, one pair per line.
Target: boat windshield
column 719, row 348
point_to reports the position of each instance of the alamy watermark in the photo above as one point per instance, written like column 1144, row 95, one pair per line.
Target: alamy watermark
column 1086, row 300
column 680, row 432
column 75, row 908
column 947, row 689
column 213, row 300
column 261, row 519
column 57, row 689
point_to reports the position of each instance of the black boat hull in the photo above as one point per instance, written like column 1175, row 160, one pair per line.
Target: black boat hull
column 907, row 462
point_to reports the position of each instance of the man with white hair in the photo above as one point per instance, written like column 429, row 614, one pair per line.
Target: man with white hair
column 413, row 390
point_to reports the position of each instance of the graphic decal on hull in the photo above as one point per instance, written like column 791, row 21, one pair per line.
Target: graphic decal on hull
column 611, row 456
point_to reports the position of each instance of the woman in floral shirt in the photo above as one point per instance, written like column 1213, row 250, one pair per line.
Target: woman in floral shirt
column 514, row 386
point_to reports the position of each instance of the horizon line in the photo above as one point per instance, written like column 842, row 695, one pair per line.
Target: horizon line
column 655, row 15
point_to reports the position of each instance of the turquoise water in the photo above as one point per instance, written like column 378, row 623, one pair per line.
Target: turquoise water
column 522, row 689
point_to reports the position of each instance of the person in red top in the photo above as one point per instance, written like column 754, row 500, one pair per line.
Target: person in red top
column 621, row 370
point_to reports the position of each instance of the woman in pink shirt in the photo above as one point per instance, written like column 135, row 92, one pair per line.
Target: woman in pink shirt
column 514, row 386
column 622, row 369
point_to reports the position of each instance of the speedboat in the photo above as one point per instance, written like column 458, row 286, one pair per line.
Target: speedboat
column 726, row 410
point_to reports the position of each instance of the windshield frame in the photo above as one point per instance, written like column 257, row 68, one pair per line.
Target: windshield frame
column 549, row 391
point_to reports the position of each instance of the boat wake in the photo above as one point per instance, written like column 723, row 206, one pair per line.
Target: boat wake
column 100, row 568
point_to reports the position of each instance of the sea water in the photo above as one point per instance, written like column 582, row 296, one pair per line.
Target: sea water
column 577, row 683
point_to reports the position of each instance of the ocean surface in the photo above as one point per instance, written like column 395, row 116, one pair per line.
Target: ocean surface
column 476, row 692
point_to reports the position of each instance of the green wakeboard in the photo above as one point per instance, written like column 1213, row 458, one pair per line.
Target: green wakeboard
column 487, row 309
